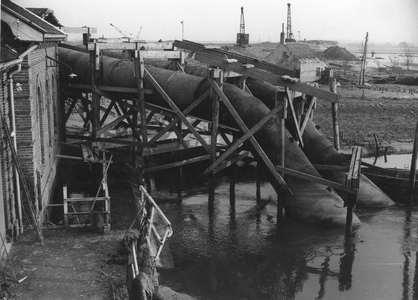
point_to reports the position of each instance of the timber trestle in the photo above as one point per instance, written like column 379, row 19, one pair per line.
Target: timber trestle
column 120, row 118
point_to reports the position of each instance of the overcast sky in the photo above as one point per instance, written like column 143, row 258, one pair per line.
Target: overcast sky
column 219, row 20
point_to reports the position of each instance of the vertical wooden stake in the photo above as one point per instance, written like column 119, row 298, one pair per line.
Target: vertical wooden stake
column 257, row 183
column 180, row 168
column 336, row 129
column 218, row 74
column 139, row 72
column 95, row 98
column 232, row 181
column 282, row 123
column 413, row 171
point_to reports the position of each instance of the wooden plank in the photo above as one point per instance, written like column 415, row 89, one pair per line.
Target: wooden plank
column 173, row 146
column 253, row 141
column 132, row 46
column 93, row 30
column 268, row 77
column 227, row 163
column 176, row 164
column 115, row 122
column 106, row 88
column 160, row 54
column 331, row 168
column 243, row 138
column 195, row 47
column 307, row 114
column 185, row 112
column 177, row 110
column 295, row 119
column 315, row 179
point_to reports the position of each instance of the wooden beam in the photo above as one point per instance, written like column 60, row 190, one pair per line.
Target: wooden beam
column 132, row 46
column 106, row 88
column 316, row 179
column 195, row 47
column 243, row 138
column 268, row 77
column 331, row 168
column 177, row 110
column 307, row 114
column 295, row 118
column 177, row 118
column 92, row 30
column 115, row 122
column 227, row 163
column 176, row 164
column 111, row 140
column 253, row 141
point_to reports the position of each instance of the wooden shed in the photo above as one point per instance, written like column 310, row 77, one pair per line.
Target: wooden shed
column 300, row 57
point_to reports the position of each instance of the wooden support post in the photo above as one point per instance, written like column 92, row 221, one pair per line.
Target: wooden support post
column 232, row 182
column 218, row 75
column 258, row 183
column 413, row 171
column 353, row 182
column 282, row 124
column 95, row 79
column 180, row 168
column 140, row 75
column 336, row 129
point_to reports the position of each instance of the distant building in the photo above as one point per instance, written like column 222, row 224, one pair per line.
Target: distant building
column 29, row 97
column 300, row 57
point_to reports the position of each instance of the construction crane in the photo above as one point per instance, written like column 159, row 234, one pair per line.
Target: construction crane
column 122, row 32
column 242, row 37
column 289, row 34
column 139, row 32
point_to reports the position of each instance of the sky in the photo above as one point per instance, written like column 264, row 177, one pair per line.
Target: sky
column 219, row 20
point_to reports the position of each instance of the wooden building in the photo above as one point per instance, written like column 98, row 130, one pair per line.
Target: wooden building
column 300, row 57
column 29, row 108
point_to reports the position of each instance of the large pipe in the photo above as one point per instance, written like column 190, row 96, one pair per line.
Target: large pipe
column 319, row 150
column 311, row 202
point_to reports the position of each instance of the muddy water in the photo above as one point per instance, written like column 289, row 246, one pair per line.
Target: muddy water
column 243, row 253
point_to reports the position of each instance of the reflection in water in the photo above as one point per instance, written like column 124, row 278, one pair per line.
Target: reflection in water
column 240, row 252
column 346, row 264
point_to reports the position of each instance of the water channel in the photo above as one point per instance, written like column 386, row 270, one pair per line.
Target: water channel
column 244, row 252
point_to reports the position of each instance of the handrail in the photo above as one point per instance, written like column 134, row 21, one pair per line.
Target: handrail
column 155, row 209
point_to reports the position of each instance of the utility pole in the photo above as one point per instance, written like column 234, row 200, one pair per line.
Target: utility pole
column 363, row 62
column 182, row 30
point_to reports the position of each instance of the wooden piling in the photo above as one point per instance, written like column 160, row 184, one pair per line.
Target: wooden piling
column 218, row 76
column 353, row 181
column 413, row 171
column 282, row 124
column 232, row 181
column 258, row 183
column 335, row 126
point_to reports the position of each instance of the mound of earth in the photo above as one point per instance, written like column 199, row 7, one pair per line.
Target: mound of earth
column 338, row 53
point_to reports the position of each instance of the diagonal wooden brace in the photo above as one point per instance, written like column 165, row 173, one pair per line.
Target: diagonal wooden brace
column 253, row 141
column 177, row 110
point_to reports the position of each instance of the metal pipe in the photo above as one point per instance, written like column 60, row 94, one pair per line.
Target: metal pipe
column 312, row 202
column 13, row 132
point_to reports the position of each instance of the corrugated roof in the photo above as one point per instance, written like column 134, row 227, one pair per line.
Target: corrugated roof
column 301, row 50
column 50, row 32
column 46, row 14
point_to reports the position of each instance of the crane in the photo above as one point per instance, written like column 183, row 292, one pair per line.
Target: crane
column 139, row 32
column 122, row 32
column 289, row 34
column 242, row 38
